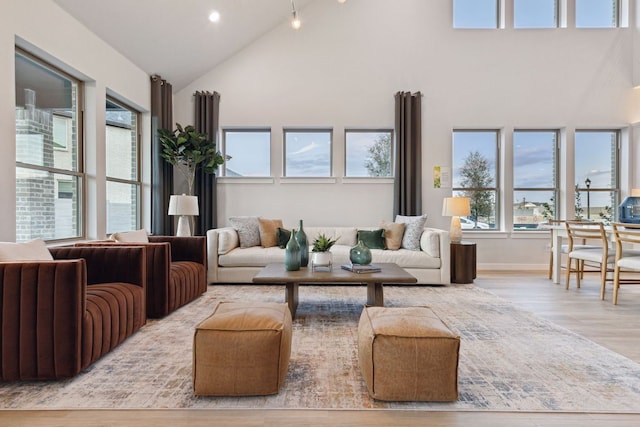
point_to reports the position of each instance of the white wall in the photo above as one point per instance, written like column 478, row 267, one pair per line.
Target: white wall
column 43, row 28
column 344, row 66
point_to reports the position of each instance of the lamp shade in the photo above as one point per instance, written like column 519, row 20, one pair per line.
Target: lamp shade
column 456, row 206
column 183, row 205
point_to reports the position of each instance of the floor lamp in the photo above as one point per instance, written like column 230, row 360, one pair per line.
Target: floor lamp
column 183, row 206
column 455, row 207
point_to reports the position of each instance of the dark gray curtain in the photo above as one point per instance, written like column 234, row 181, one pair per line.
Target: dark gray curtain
column 206, row 114
column 407, row 197
column 161, row 170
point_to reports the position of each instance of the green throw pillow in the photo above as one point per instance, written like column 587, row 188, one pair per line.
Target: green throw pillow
column 373, row 239
column 283, row 237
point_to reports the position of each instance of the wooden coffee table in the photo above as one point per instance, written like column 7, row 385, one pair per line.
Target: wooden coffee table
column 277, row 274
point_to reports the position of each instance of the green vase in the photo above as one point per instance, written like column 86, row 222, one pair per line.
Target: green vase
column 301, row 238
column 292, row 253
column 360, row 254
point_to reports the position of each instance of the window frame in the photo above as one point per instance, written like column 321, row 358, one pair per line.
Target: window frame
column 391, row 133
column 556, row 23
column 287, row 130
column 137, row 181
column 79, row 172
column 616, row 24
column 496, row 189
column 259, row 129
column 497, row 24
column 581, row 186
column 556, row 179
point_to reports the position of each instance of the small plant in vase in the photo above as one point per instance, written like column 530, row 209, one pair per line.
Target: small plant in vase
column 320, row 255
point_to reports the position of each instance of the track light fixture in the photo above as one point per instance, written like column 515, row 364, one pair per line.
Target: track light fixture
column 295, row 21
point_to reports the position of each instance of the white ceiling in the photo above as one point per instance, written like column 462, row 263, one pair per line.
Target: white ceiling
column 174, row 38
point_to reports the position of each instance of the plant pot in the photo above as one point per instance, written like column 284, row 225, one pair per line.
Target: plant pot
column 321, row 260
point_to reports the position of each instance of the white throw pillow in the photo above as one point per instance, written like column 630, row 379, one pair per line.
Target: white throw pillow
column 430, row 243
column 137, row 236
column 248, row 228
column 227, row 240
column 34, row 250
column 413, row 226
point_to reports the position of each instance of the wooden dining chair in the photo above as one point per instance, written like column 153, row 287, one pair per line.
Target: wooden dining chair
column 627, row 260
column 597, row 253
column 564, row 248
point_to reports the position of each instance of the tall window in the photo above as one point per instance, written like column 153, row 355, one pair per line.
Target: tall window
column 123, row 171
column 535, row 13
column 535, row 166
column 475, row 175
column 475, row 13
column 369, row 153
column 307, row 152
column 49, row 175
column 596, row 174
column 596, row 13
column 248, row 151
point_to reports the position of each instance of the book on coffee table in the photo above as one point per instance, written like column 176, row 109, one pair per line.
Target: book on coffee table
column 371, row 268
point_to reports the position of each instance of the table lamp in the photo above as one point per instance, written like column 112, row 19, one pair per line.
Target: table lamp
column 184, row 206
column 455, row 207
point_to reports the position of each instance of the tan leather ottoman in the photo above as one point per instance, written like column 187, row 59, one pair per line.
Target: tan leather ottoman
column 242, row 349
column 408, row 354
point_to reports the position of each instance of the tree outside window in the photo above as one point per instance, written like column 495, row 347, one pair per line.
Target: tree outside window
column 369, row 153
column 475, row 174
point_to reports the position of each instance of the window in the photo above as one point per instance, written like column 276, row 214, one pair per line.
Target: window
column 475, row 174
column 475, row 13
column 248, row 152
column 596, row 174
column 307, row 152
column 49, row 176
column 535, row 13
column 596, row 13
column 369, row 153
column 535, row 170
column 123, row 172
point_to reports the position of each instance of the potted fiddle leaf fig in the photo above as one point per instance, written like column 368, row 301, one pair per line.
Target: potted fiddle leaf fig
column 188, row 151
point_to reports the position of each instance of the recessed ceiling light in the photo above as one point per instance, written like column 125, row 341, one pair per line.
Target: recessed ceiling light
column 341, row 1
column 214, row 16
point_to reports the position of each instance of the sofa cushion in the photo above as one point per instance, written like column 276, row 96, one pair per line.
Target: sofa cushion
column 227, row 240
column 343, row 235
column 373, row 239
column 268, row 231
column 430, row 243
column 136, row 236
column 248, row 228
column 393, row 234
column 34, row 250
column 412, row 230
column 256, row 256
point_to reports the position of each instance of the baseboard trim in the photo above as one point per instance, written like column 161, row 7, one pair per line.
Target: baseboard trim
column 512, row 267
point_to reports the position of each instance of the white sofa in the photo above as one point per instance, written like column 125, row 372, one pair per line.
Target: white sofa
column 228, row 263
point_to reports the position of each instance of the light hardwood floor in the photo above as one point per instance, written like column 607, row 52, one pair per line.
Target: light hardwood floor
column 579, row 310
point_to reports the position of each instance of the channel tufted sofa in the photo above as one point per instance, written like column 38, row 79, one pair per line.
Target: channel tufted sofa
column 230, row 263
column 61, row 315
column 176, row 270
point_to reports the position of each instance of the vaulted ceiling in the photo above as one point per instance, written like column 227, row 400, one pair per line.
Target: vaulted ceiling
column 174, row 38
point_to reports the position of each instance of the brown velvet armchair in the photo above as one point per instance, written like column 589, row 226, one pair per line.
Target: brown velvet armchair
column 60, row 316
column 176, row 271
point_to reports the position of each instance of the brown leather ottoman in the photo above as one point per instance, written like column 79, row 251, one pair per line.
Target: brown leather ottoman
column 242, row 349
column 408, row 354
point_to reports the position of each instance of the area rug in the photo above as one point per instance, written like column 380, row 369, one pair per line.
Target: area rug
column 510, row 360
